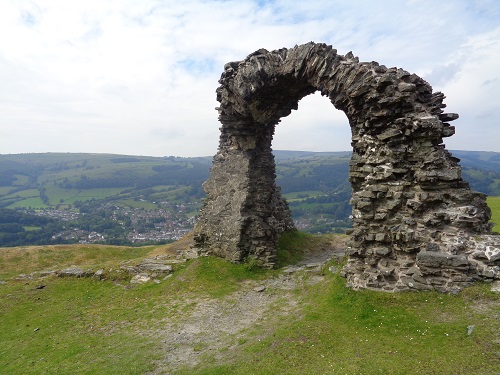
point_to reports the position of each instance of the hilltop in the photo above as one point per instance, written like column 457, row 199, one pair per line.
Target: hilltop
column 211, row 316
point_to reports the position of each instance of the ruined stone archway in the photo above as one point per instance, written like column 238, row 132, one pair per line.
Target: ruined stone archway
column 411, row 208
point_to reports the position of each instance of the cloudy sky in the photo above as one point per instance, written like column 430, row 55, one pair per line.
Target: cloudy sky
column 138, row 77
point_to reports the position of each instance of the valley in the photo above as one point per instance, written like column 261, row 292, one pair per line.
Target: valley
column 120, row 199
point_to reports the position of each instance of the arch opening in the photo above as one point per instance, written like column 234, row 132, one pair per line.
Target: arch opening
column 410, row 206
column 312, row 158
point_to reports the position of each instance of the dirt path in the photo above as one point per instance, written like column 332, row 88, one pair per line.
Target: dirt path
column 216, row 327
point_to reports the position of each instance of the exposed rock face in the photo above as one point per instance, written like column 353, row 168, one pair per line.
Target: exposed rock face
column 413, row 215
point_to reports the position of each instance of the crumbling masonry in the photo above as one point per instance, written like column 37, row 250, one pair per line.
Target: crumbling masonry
column 415, row 221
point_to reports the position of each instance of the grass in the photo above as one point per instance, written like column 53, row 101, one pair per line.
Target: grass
column 213, row 277
column 4, row 190
column 82, row 326
column 70, row 326
column 55, row 194
column 494, row 204
column 138, row 204
column 34, row 202
column 29, row 193
column 23, row 198
column 291, row 247
column 20, row 180
column 17, row 260
column 31, row 228
column 86, row 326
column 365, row 332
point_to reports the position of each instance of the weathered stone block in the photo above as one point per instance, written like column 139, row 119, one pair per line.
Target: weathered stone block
column 437, row 259
column 492, row 253
column 380, row 216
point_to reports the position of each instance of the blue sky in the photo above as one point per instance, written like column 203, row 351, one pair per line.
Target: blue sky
column 139, row 77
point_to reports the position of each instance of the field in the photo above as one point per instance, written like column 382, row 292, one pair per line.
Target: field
column 494, row 204
column 213, row 317
column 42, row 181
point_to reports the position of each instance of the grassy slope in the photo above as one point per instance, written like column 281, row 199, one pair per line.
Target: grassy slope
column 85, row 326
column 494, row 204
column 364, row 332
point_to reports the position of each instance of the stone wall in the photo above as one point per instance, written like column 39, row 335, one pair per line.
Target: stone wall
column 413, row 214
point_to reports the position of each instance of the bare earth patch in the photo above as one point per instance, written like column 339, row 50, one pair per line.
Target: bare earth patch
column 215, row 327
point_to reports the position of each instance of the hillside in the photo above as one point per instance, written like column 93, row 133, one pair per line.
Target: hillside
column 123, row 199
column 212, row 317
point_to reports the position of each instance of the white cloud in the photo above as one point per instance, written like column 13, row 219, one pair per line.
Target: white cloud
column 315, row 126
column 139, row 77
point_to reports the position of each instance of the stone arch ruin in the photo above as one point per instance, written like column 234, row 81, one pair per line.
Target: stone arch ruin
column 413, row 215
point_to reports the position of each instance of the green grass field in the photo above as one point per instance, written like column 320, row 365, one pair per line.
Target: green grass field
column 33, row 202
column 55, row 194
column 301, row 195
column 494, row 204
column 85, row 326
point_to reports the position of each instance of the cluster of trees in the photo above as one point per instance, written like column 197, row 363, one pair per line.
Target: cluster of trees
column 19, row 228
column 487, row 182
column 324, row 177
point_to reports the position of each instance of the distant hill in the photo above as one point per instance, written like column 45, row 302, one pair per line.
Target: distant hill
column 483, row 160
column 61, row 179
column 65, row 184
column 480, row 168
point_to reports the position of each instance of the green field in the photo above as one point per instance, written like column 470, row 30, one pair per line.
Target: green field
column 23, row 198
column 494, row 204
column 56, row 194
column 207, row 319
column 42, row 181
column 80, row 177
column 34, row 203
column 301, row 195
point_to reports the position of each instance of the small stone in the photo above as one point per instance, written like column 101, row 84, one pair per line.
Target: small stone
column 495, row 286
column 448, row 116
column 99, row 273
column 71, row 272
column 156, row 267
column 292, row 269
column 259, row 289
column 140, row 279
column 470, row 329
column 406, row 87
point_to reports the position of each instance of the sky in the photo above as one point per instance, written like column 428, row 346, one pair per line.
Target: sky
column 138, row 77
